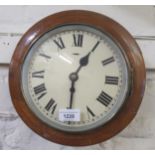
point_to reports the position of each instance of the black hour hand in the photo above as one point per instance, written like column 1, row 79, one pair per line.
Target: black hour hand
column 84, row 60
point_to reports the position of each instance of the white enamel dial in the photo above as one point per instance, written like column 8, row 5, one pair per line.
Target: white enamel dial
column 75, row 67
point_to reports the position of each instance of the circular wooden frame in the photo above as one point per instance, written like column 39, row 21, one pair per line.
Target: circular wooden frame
column 125, row 41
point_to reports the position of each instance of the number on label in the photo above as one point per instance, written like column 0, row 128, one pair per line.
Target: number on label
column 40, row 90
column 104, row 98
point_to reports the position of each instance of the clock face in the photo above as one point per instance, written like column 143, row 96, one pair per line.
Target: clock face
column 75, row 78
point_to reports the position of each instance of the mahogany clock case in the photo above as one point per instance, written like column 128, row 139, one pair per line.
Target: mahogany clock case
column 133, row 57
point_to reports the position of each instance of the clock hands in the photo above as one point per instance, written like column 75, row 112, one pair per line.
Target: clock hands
column 74, row 76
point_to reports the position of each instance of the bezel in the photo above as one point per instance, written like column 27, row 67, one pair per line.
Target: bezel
column 59, row 125
column 134, row 60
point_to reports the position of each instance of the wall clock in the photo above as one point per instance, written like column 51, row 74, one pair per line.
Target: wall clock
column 77, row 78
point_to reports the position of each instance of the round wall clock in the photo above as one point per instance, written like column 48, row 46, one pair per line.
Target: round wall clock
column 77, row 78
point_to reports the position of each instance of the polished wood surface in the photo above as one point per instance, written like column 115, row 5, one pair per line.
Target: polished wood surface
column 133, row 57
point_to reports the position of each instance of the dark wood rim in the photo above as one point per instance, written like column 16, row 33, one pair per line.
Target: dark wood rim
column 132, row 52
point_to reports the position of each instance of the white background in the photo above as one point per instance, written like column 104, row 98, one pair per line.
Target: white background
column 138, row 20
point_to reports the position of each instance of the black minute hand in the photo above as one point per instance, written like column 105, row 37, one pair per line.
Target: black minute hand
column 73, row 77
column 72, row 90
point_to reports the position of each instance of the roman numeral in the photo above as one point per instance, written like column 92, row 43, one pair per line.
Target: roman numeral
column 51, row 106
column 95, row 46
column 40, row 90
column 111, row 80
column 38, row 74
column 45, row 56
column 78, row 40
column 104, row 98
column 59, row 43
column 90, row 112
column 107, row 61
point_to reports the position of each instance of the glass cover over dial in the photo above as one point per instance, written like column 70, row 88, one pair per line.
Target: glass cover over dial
column 78, row 71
